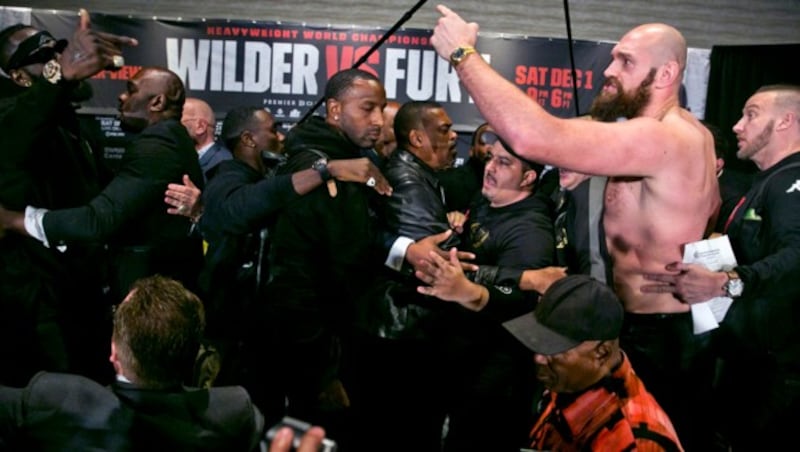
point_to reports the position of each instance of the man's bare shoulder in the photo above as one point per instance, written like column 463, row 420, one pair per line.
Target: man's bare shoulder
column 690, row 141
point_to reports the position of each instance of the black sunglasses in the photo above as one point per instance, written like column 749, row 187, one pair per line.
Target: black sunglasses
column 39, row 56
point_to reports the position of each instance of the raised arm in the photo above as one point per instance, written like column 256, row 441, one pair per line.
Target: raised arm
column 638, row 147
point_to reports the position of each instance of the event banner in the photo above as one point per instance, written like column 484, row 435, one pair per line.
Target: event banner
column 284, row 67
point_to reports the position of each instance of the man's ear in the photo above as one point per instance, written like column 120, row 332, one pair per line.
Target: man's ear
column 247, row 138
column 603, row 351
column 114, row 358
column 786, row 120
column 528, row 178
column 158, row 103
column 667, row 73
column 416, row 138
column 334, row 109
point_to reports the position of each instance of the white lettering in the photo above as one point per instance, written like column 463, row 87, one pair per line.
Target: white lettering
column 216, row 65
column 305, row 64
column 256, row 62
column 394, row 73
column 231, row 84
column 425, row 76
column 190, row 66
column 420, row 74
column 213, row 64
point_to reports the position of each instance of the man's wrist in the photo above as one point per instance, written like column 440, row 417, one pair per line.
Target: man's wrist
column 480, row 298
column 460, row 54
column 321, row 166
column 334, row 169
column 732, row 285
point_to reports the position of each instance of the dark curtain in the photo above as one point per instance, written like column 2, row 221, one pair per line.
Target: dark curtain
column 736, row 73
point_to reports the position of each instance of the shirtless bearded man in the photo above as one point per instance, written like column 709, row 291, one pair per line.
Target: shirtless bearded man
column 662, row 190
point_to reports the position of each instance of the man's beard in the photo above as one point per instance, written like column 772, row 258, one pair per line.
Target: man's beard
column 622, row 104
column 758, row 143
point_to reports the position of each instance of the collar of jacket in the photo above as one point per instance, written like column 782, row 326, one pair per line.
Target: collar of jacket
column 410, row 159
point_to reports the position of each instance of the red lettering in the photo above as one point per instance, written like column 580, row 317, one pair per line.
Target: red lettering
column 561, row 98
column 124, row 73
column 587, row 80
column 520, row 72
column 334, row 62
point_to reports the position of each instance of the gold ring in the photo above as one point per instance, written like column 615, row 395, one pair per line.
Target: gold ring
column 118, row 61
column 182, row 209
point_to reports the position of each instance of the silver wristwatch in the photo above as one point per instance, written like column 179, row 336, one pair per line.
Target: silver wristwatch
column 735, row 286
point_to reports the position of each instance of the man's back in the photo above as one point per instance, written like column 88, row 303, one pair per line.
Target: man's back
column 70, row 412
column 648, row 219
column 130, row 215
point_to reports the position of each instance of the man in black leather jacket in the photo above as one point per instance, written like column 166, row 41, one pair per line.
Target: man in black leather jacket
column 401, row 367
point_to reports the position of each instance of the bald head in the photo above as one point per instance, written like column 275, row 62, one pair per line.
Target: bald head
column 664, row 42
column 199, row 120
column 198, row 108
column 152, row 95
column 173, row 90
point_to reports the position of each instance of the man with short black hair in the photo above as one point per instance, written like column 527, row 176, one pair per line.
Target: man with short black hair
column 319, row 243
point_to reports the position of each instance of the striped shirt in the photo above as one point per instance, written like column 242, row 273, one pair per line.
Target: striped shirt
column 615, row 414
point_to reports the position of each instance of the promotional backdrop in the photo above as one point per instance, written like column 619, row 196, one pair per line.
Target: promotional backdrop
column 284, row 67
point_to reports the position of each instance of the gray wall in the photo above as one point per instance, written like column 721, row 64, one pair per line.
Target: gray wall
column 704, row 23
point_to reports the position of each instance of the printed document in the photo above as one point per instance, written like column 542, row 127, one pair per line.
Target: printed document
column 715, row 254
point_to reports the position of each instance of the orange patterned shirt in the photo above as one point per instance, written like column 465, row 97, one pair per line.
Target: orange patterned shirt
column 616, row 414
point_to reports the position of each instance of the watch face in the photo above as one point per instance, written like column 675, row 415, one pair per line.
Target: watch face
column 52, row 71
column 457, row 55
column 734, row 287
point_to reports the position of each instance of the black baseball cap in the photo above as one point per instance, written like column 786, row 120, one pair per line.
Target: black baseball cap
column 37, row 48
column 574, row 309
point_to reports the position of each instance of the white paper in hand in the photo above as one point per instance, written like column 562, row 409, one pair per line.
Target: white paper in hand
column 715, row 254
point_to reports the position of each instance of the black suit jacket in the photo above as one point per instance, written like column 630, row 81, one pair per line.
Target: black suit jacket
column 130, row 213
column 58, row 412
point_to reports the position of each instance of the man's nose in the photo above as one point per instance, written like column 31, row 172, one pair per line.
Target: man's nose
column 738, row 126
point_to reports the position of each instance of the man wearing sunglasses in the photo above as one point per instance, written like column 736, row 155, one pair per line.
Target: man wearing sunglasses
column 45, row 161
